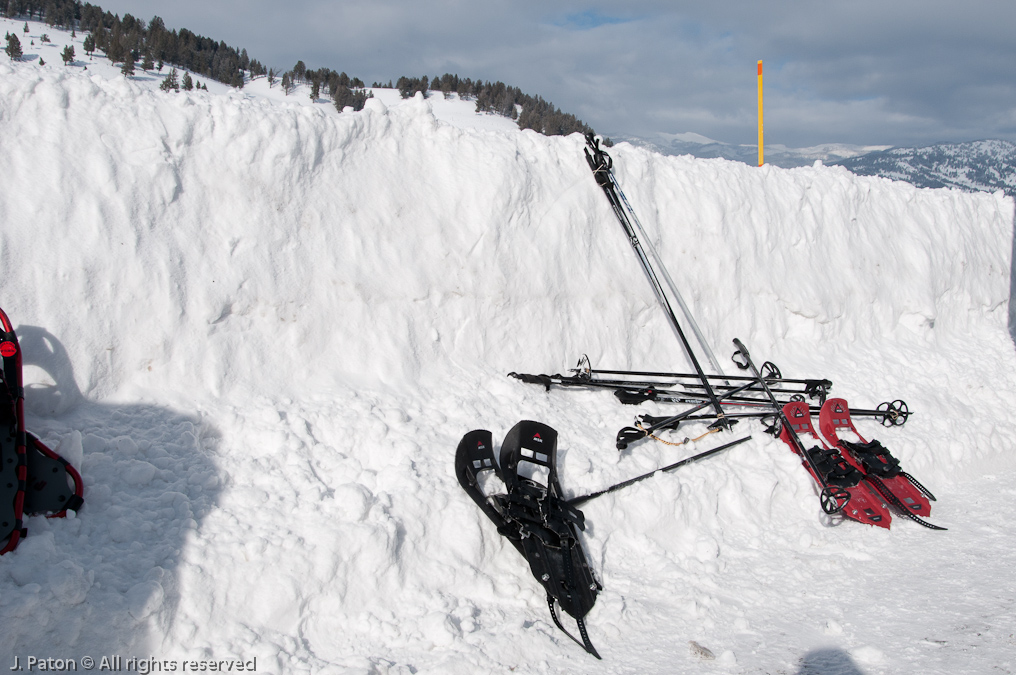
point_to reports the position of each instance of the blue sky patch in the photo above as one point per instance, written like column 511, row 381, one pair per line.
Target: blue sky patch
column 590, row 19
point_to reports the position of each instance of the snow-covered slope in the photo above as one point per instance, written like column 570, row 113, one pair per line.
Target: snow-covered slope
column 981, row 165
column 260, row 329
column 776, row 154
column 46, row 55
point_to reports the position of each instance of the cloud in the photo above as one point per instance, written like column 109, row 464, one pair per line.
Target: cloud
column 866, row 72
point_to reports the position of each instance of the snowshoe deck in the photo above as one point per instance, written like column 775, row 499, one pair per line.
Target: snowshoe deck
column 533, row 515
column 865, row 504
column 880, row 468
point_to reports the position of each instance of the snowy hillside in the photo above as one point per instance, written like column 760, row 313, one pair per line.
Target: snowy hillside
column 979, row 166
column 984, row 165
column 46, row 54
column 260, row 328
column 776, row 154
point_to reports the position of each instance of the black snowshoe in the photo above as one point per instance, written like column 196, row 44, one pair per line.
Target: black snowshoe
column 533, row 515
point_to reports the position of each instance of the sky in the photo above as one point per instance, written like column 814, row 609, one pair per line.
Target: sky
column 866, row 72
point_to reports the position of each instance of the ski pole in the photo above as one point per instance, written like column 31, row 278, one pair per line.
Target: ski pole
column 830, row 497
column 575, row 501
column 675, row 418
column 600, row 163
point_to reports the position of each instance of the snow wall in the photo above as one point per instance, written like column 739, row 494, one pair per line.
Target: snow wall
column 261, row 330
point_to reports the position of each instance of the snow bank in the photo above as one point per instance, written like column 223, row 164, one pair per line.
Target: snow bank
column 261, row 330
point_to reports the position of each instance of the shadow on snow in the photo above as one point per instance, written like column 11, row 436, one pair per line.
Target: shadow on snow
column 105, row 582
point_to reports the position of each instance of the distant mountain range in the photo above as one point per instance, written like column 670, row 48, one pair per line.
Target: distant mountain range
column 778, row 155
column 980, row 165
column 975, row 166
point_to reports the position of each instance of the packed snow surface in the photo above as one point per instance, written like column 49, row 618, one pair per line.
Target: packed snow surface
column 261, row 327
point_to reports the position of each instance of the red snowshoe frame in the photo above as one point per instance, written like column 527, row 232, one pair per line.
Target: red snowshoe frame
column 34, row 480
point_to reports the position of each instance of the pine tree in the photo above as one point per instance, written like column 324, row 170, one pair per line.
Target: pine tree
column 170, row 82
column 13, row 48
column 128, row 65
column 188, row 83
column 147, row 64
column 344, row 96
column 67, row 55
column 271, row 77
column 89, row 45
column 315, row 90
column 41, row 62
column 26, row 28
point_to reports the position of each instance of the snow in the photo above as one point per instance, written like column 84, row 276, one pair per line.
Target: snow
column 259, row 327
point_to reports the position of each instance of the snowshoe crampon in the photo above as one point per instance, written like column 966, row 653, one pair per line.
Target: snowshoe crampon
column 34, row 480
column 532, row 514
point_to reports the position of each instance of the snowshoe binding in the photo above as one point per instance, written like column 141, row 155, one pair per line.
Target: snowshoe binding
column 880, row 468
column 533, row 514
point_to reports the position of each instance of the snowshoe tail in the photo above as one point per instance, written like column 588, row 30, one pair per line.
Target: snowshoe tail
column 475, row 456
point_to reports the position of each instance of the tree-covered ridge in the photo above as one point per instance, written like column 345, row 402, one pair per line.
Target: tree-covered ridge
column 531, row 112
column 129, row 40
column 343, row 89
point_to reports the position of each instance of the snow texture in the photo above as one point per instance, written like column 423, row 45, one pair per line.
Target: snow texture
column 260, row 327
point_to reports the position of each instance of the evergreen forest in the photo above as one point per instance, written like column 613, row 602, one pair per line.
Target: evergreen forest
column 129, row 40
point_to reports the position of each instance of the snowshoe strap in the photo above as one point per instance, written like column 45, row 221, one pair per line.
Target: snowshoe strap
column 817, row 389
column 545, row 380
column 926, row 491
column 584, row 643
column 888, row 495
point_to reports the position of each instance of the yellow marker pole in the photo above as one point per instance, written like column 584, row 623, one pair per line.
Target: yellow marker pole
column 761, row 152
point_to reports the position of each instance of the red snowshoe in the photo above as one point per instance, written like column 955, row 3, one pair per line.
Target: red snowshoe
column 34, row 480
column 879, row 467
column 864, row 504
